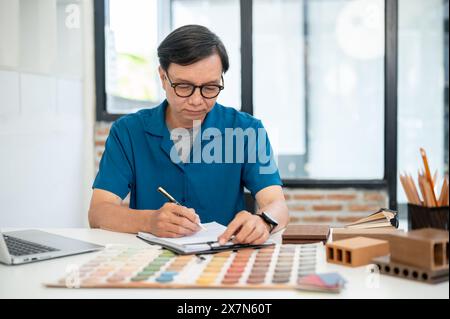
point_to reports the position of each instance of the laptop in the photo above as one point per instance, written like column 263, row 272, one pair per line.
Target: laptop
column 20, row 247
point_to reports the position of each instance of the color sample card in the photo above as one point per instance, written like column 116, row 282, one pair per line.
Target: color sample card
column 277, row 266
column 329, row 282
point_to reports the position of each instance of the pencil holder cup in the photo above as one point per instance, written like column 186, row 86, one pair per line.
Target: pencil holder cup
column 426, row 217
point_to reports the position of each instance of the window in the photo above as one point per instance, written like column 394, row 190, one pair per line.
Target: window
column 319, row 85
column 423, row 85
column 133, row 30
column 131, row 38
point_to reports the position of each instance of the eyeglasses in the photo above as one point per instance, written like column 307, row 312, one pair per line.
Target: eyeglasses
column 208, row 91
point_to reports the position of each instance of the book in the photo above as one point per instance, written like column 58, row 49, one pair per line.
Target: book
column 202, row 242
column 384, row 218
column 305, row 234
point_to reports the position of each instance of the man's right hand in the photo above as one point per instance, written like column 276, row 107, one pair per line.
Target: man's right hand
column 172, row 220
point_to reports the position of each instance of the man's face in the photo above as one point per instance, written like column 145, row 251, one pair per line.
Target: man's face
column 195, row 107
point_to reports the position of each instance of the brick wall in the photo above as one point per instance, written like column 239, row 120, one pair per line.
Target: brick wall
column 334, row 207
column 100, row 136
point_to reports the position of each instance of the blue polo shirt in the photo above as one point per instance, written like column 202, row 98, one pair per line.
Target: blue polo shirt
column 137, row 160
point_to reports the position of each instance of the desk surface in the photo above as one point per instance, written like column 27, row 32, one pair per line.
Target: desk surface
column 26, row 281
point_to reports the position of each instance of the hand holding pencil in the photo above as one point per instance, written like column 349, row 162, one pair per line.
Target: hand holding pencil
column 173, row 200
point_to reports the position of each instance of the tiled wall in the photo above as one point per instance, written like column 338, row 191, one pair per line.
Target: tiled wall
column 319, row 206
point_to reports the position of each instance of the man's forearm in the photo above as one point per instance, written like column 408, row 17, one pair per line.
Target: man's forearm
column 118, row 218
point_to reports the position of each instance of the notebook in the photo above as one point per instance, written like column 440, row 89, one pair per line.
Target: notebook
column 202, row 242
column 384, row 218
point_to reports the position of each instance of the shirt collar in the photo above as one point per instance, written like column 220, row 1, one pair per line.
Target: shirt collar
column 155, row 122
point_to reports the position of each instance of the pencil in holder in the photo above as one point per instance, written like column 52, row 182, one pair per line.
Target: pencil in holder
column 427, row 217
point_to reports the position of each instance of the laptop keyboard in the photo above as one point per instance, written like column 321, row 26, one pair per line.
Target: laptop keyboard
column 20, row 247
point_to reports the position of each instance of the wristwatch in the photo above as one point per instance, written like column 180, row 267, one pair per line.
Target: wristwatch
column 268, row 220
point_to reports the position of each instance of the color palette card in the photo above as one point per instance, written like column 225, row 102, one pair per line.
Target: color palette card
column 329, row 282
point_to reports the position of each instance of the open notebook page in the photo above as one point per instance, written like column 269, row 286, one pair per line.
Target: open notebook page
column 212, row 232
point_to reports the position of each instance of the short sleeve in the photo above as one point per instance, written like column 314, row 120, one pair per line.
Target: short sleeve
column 260, row 169
column 115, row 170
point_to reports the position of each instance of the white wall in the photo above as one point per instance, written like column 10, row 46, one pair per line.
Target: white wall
column 46, row 112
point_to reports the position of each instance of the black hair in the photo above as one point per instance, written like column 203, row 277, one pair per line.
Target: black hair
column 189, row 44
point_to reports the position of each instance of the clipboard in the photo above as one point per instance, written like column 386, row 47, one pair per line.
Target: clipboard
column 204, row 242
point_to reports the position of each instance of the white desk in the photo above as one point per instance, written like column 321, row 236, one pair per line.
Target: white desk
column 26, row 281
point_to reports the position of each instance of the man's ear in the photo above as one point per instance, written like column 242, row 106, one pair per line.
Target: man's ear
column 162, row 76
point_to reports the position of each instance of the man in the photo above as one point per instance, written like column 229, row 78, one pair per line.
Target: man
column 144, row 151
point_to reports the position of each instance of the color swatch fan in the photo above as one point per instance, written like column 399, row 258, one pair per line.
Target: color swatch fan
column 272, row 267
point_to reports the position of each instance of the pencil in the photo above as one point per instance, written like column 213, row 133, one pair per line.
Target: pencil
column 446, row 197
column 428, row 175
column 173, row 200
column 422, row 189
column 442, row 194
column 429, row 190
column 443, row 198
column 414, row 191
column 405, row 188
column 435, row 178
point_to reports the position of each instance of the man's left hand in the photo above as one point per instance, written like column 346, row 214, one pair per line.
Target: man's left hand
column 247, row 228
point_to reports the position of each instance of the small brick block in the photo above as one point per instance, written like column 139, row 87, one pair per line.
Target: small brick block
column 356, row 251
column 425, row 248
column 392, row 268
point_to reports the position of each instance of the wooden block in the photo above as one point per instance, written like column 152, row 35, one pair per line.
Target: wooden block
column 392, row 268
column 426, row 248
column 300, row 242
column 377, row 233
column 300, row 234
column 357, row 251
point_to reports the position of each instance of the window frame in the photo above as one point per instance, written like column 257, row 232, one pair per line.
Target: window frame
column 389, row 180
